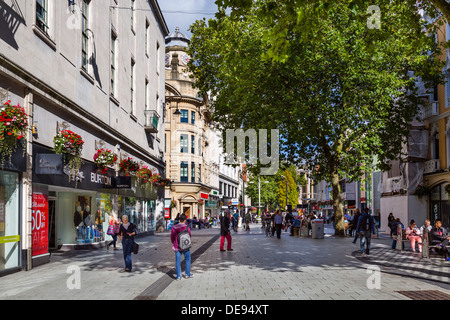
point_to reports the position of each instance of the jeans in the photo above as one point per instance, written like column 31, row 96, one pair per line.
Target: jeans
column 187, row 260
column 114, row 241
column 127, row 245
column 222, row 241
column 365, row 242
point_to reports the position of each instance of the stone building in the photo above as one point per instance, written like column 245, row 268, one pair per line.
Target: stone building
column 187, row 128
column 95, row 68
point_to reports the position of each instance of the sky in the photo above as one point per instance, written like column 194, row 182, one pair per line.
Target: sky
column 182, row 13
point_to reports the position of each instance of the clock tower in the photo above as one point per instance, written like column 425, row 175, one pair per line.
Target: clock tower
column 187, row 122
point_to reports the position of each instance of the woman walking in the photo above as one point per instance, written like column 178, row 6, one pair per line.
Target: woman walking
column 115, row 227
column 127, row 233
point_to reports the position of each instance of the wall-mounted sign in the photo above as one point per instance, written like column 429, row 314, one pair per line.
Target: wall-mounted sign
column 48, row 163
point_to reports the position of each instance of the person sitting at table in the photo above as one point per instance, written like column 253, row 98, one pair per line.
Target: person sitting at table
column 413, row 235
column 296, row 223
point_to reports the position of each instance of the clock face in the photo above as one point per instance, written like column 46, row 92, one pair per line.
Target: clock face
column 167, row 59
column 185, row 58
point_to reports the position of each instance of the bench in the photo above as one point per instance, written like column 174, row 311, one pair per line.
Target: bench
column 428, row 246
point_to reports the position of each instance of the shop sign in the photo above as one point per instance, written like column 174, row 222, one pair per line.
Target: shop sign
column 39, row 224
column 48, row 163
column 122, row 182
column 204, row 196
column 101, row 179
column 167, row 213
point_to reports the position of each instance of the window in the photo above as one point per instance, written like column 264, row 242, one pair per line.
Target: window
column 192, row 171
column 132, row 14
column 146, row 95
column 84, row 33
column 192, row 144
column 132, row 88
column 113, row 63
column 193, row 117
column 147, row 27
column 184, row 171
column 42, row 15
column 184, row 116
column 184, row 143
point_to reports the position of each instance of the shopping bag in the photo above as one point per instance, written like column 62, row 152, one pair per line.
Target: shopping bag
column 135, row 248
column 110, row 230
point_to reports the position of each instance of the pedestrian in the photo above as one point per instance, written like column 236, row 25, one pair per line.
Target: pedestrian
column 391, row 221
column 278, row 222
column 440, row 238
column 127, row 232
column 355, row 222
column 181, row 244
column 247, row 218
column 225, row 232
column 413, row 235
column 115, row 224
column 366, row 229
column 288, row 220
column 395, row 225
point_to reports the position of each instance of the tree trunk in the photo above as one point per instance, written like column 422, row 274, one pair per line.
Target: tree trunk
column 337, row 206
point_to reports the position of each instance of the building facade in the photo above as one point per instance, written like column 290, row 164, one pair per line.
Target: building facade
column 96, row 69
column 194, row 176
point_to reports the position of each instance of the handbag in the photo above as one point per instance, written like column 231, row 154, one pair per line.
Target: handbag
column 135, row 248
column 110, row 230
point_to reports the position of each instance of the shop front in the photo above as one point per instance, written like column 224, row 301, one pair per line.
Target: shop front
column 440, row 205
column 79, row 212
column 10, row 209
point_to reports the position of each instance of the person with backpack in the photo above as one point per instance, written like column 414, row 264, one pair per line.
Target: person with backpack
column 366, row 230
column 181, row 244
column 225, row 231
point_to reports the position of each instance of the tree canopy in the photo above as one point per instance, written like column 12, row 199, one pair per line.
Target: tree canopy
column 339, row 91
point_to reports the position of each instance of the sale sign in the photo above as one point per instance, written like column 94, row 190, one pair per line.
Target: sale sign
column 40, row 224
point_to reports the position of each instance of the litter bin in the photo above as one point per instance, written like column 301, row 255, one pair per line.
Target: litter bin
column 317, row 229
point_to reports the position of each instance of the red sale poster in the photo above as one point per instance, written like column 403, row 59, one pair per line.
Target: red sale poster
column 40, row 224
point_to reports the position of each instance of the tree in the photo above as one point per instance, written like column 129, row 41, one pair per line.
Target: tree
column 287, row 184
column 339, row 92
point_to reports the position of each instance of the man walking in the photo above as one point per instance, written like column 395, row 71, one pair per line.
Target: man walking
column 366, row 230
column 225, row 231
column 181, row 243
column 278, row 221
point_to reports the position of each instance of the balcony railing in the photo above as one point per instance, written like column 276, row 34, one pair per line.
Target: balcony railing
column 151, row 121
column 431, row 110
column 432, row 166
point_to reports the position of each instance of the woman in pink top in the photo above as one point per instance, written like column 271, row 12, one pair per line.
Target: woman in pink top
column 413, row 235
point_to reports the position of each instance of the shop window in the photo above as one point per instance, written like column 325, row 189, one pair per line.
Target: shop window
column 184, row 116
column 9, row 220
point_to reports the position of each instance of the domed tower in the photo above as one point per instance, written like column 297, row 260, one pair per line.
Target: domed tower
column 187, row 129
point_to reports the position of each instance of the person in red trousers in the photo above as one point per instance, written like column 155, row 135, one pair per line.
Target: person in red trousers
column 225, row 231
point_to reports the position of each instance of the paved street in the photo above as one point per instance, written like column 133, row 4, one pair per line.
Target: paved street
column 259, row 268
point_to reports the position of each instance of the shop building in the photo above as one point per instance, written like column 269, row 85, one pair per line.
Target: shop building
column 96, row 69
column 193, row 174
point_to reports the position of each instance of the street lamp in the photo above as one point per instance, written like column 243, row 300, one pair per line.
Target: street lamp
column 282, row 177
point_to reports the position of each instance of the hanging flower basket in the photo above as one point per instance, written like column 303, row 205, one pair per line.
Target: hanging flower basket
column 422, row 190
column 70, row 145
column 201, row 202
column 128, row 166
column 159, row 181
column 104, row 158
column 144, row 174
column 13, row 124
column 173, row 204
column 447, row 188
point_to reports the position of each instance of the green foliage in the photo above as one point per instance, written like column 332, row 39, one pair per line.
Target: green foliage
column 339, row 92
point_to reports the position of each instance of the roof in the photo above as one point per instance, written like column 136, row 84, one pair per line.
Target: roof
column 177, row 38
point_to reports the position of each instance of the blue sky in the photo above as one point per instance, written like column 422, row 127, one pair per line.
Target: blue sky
column 182, row 13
